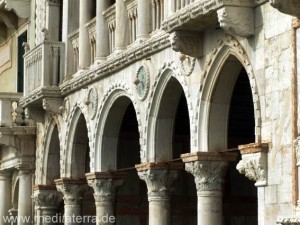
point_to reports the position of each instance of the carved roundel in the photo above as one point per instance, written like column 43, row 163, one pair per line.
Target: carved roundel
column 92, row 102
column 142, row 82
column 187, row 64
column 66, row 109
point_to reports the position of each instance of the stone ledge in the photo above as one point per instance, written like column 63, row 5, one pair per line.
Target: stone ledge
column 44, row 187
column 253, row 148
column 288, row 220
column 105, row 175
column 70, row 181
column 208, row 156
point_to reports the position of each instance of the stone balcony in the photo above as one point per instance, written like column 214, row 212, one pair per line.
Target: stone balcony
column 43, row 72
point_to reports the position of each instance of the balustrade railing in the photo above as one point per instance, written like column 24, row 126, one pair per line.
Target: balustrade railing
column 44, row 65
column 11, row 113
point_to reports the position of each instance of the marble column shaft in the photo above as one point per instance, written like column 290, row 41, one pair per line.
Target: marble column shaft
column 121, row 26
column 5, row 195
column 85, row 15
column 102, row 33
column 159, row 183
column 25, row 192
column 144, row 19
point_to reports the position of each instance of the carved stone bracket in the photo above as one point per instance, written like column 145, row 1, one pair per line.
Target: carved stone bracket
column 105, row 186
column 237, row 20
column 53, row 105
column 254, row 162
column 20, row 7
column 34, row 113
column 72, row 189
column 188, row 43
column 159, row 179
column 47, row 197
column 208, row 169
column 290, row 7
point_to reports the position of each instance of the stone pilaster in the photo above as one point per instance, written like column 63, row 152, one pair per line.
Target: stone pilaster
column 105, row 186
column 47, row 200
column 25, row 201
column 73, row 191
column 159, row 179
column 209, row 169
column 144, row 19
column 5, row 195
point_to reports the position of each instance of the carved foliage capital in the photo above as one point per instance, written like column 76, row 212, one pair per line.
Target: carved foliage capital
column 209, row 175
column 188, row 43
column 47, row 198
column 237, row 20
column 104, row 189
column 73, row 193
column 254, row 167
column 159, row 182
column 290, row 7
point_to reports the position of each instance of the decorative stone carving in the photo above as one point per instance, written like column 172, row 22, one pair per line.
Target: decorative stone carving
column 290, row 7
column 237, row 20
column 254, row 163
column 34, row 113
column 297, row 149
column 20, row 7
column 187, row 64
column 209, row 175
column 52, row 105
column 142, row 82
column 188, row 43
column 92, row 102
column 288, row 220
column 72, row 190
column 105, row 186
column 47, row 198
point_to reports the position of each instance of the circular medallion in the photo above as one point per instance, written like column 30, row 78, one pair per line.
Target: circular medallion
column 187, row 64
column 142, row 82
column 92, row 102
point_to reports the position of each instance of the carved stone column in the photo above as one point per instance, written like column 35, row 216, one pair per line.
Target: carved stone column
column 159, row 179
column 52, row 19
column 254, row 165
column 105, row 186
column 47, row 200
column 209, row 169
column 102, row 34
column 5, row 195
column 290, row 7
column 72, row 190
column 25, row 192
column 84, row 46
column 121, row 26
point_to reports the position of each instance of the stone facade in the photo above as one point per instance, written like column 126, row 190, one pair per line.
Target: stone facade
column 154, row 112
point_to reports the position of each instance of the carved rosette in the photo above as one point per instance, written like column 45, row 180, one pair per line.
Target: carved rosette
column 237, row 20
column 290, row 7
column 187, row 64
column 72, row 192
column 47, row 198
column 159, row 182
column 105, row 187
column 142, row 82
column 188, row 43
column 254, row 163
column 209, row 175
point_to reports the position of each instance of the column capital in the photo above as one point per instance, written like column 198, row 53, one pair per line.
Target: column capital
column 46, row 196
column 254, row 162
column 72, row 190
column 209, row 169
column 105, row 185
column 159, row 178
